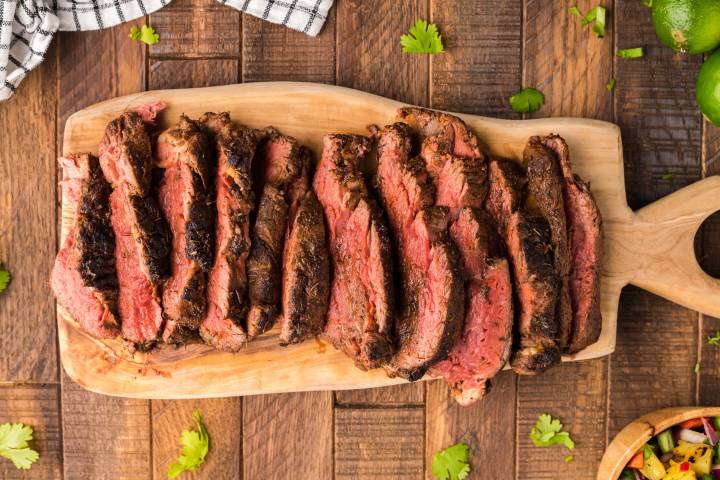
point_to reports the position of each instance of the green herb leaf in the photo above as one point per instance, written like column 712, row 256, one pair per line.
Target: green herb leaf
column 696, row 368
column 144, row 34
column 610, row 85
column 422, row 38
column 647, row 451
column 630, row 52
column 14, row 438
column 548, row 431
column 5, row 278
column 452, row 463
column 527, row 100
column 569, row 458
column 589, row 18
column 667, row 176
column 715, row 339
column 599, row 26
column 575, row 11
column 648, row 3
column 195, row 445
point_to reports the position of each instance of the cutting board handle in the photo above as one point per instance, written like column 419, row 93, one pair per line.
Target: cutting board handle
column 668, row 265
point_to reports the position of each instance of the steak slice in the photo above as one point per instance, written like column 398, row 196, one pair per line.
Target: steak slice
column 306, row 263
column 506, row 190
column 585, row 237
column 277, row 167
column 432, row 294
column 227, row 304
column 183, row 151
column 545, row 185
column 84, row 278
column 359, row 320
column 450, row 134
column 486, row 340
column 537, row 285
column 142, row 237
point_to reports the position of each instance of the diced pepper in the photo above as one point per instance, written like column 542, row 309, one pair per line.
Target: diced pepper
column 692, row 423
column 665, row 441
column 684, row 467
column 637, row 461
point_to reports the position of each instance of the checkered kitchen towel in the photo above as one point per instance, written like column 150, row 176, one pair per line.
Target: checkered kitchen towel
column 28, row 26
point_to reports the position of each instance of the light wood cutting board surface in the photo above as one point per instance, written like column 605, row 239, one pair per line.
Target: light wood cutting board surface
column 651, row 248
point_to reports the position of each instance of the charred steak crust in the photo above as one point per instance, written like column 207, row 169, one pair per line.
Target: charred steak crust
column 185, row 197
column 84, row 278
column 227, row 293
column 360, row 313
column 431, row 316
column 153, row 237
column 277, row 167
column 545, row 184
column 451, row 134
column 306, row 262
column 585, row 238
column 124, row 153
column 506, row 192
column 528, row 243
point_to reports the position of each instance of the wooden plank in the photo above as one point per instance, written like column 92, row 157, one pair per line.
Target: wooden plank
column 198, row 73
column 288, row 436
column 484, row 426
column 376, row 443
column 406, row 394
column 482, row 66
column 196, row 28
column 27, row 225
column 369, row 54
column 649, row 328
column 36, row 406
column 576, row 393
column 272, row 52
column 222, row 418
column 104, row 437
column 709, row 376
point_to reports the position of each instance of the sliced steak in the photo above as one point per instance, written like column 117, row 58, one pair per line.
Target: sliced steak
column 432, row 300
column 485, row 344
column 585, row 236
column 277, row 167
column 360, row 315
column 84, row 278
column 227, row 296
column 451, row 135
column 306, row 262
column 545, row 186
column 183, row 151
column 142, row 236
column 506, row 190
column 528, row 241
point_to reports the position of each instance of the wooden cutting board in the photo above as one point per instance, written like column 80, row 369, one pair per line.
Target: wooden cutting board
column 651, row 248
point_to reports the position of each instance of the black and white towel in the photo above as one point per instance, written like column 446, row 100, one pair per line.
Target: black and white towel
column 28, row 26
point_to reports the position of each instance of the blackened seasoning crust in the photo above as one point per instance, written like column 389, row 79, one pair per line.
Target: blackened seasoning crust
column 359, row 320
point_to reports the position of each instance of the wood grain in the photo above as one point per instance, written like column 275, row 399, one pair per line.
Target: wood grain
column 407, row 394
column 196, row 28
column 103, row 437
column 481, row 68
column 482, row 426
column 198, row 73
column 223, row 420
column 709, row 377
column 36, row 406
column 288, row 436
column 379, row 443
column 369, row 55
column 28, row 224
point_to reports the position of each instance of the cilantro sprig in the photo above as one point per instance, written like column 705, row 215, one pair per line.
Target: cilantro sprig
column 144, row 34
column 5, row 278
column 548, row 431
column 422, row 38
column 527, row 100
column 452, row 463
column 195, row 445
column 14, row 438
column 714, row 339
column 631, row 52
column 596, row 16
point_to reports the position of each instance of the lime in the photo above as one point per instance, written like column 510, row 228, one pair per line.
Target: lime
column 688, row 26
column 708, row 88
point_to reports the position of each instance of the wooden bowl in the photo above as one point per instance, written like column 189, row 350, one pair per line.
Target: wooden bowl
column 638, row 432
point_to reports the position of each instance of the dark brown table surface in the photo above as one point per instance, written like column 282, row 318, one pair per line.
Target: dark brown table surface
column 493, row 48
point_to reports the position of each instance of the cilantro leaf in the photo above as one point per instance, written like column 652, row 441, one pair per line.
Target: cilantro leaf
column 575, row 11
column 599, row 25
column 548, row 431
column 648, row 3
column 696, row 368
column 630, row 52
column 422, row 38
column 715, row 339
column 527, row 100
column 195, row 446
column 5, row 278
column 611, row 85
column 14, row 438
column 452, row 463
column 667, row 176
column 569, row 458
column 144, row 34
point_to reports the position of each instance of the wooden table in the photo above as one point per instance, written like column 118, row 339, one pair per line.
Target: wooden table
column 494, row 48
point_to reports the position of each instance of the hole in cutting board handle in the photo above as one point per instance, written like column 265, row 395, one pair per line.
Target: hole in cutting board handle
column 707, row 245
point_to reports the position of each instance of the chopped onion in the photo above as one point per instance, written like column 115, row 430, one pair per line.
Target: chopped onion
column 710, row 431
column 691, row 436
column 716, row 471
column 637, row 474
